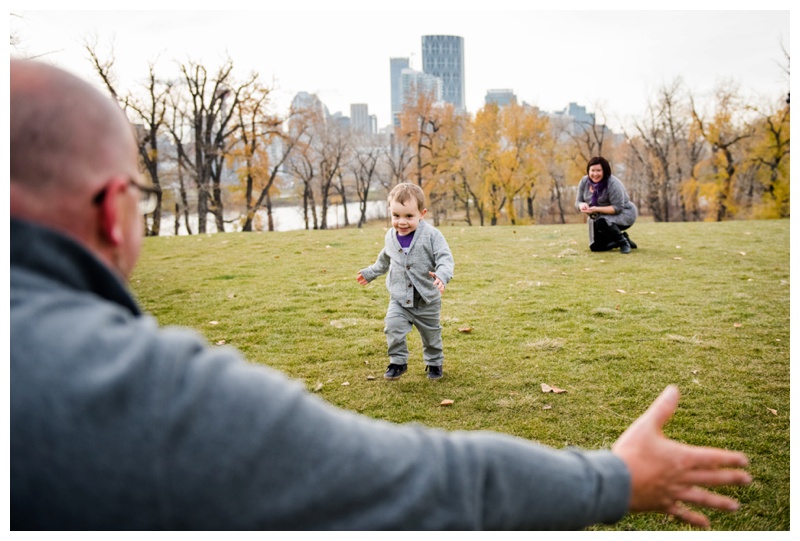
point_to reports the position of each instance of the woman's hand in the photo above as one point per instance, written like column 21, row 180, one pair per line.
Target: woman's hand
column 599, row 210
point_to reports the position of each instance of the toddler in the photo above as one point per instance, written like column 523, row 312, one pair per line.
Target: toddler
column 419, row 265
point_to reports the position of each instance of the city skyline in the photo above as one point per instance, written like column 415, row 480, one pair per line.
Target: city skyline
column 615, row 60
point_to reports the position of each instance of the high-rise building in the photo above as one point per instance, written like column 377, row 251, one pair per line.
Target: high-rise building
column 413, row 83
column 579, row 114
column 360, row 120
column 397, row 65
column 303, row 101
column 443, row 57
column 501, row 97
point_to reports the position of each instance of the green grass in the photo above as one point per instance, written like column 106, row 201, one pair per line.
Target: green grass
column 701, row 305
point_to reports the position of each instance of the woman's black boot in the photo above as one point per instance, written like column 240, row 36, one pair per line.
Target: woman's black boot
column 620, row 238
column 633, row 244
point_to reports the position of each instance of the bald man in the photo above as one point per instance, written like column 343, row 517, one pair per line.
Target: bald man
column 119, row 424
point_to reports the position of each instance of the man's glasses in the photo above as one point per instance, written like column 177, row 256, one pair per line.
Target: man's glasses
column 147, row 201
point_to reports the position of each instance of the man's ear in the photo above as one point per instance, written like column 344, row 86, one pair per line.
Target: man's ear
column 110, row 215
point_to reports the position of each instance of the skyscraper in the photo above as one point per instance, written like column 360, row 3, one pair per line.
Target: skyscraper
column 443, row 57
column 397, row 65
column 360, row 120
column 413, row 83
column 501, row 97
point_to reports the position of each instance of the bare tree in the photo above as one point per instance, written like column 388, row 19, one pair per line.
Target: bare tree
column 590, row 136
column 209, row 108
column 398, row 160
column 662, row 135
column 330, row 156
column 364, row 167
column 260, row 131
column 149, row 115
column 304, row 169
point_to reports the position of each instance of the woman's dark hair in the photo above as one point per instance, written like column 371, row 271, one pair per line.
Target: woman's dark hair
column 603, row 163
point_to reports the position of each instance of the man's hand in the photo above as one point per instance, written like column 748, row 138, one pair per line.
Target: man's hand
column 666, row 474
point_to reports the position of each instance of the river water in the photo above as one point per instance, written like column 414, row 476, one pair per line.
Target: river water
column 284, row 218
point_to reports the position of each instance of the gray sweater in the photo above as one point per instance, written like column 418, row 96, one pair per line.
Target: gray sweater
column 615, row 196
column 428, row 252
column 116, row 423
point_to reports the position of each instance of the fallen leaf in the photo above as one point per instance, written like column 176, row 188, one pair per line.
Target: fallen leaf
column 465, row 329
column 677, row 258
column 772, row 411
column 548, row 389
column 221, row 342
column 370, row 378
column 318, row 387
column 231, row 295
column 620, row 291
column 345, row 384
column 366, row 362
column 547, row 407
column 742, row 253
column 737, row 325
column 446, row 402
column 213, row 322
column 618, row 307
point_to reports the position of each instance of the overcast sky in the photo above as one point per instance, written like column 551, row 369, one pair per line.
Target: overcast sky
column 615, row 60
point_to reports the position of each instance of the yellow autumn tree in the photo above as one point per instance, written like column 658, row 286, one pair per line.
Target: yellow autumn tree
column 769, row 152
column 426, row 130
column 525, row 139
column 723, row 130
column 485, row 149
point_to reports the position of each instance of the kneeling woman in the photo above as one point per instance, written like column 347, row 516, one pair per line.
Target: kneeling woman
column 603, row 198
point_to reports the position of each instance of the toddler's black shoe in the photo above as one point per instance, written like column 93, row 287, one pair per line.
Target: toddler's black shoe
column 394, row 371
column 434, row 372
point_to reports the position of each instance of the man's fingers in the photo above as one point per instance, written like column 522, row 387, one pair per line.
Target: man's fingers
column 709, row 500
column 717, row 477
column 662, row 408
column 684, row 514
column 710, row 458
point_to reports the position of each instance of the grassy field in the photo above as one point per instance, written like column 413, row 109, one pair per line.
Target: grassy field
column 701, row 305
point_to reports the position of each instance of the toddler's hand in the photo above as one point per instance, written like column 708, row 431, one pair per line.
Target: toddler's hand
column 361, row 280
column 438, row 283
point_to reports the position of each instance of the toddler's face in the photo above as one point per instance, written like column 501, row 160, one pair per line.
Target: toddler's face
column 406, row 216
